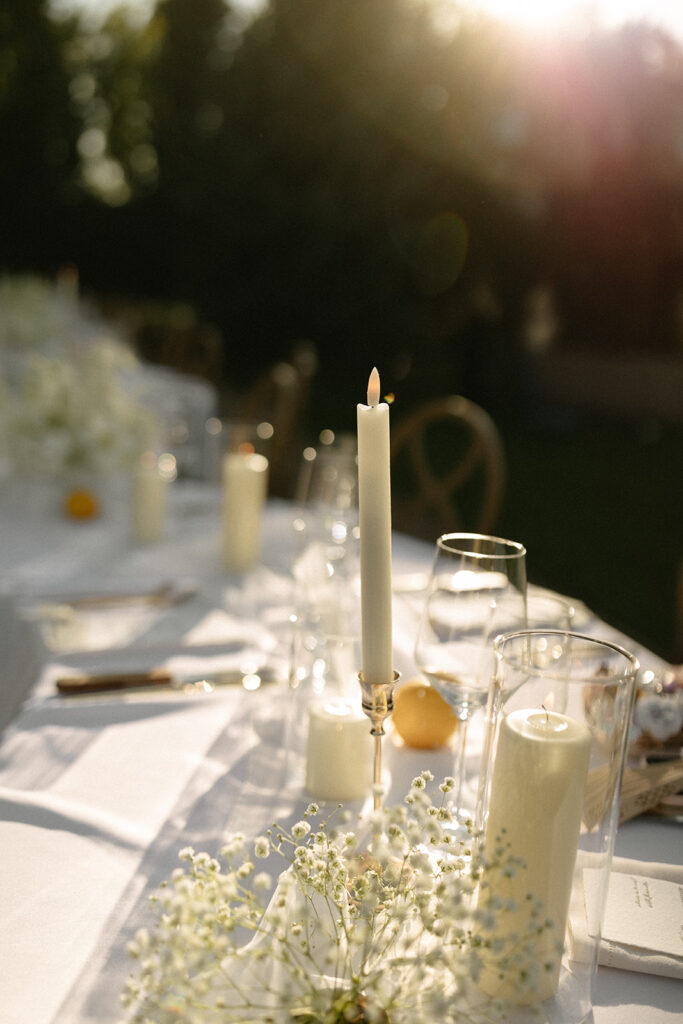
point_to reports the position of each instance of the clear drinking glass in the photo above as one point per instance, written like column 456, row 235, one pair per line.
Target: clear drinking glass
column 326, row 564
column 325, row 655
column 559, row 712
column 328, row 477
column 547, row 610
column 476, row 590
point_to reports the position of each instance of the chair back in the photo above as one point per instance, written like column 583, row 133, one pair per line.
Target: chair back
column 448, row 469
column 281, row 396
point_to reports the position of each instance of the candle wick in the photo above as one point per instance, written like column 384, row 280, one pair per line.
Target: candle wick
column 547, row 716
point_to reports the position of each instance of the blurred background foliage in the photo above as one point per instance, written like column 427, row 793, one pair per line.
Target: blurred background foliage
column 402, row 182
column 377, row 170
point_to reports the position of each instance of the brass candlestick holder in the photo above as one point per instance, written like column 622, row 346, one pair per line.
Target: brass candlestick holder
column 378, row 703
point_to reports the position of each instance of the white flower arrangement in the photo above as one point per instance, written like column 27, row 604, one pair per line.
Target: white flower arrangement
column 390, row 935
column 35, row 311
column 658, row 712
column 68, row 401
column 75, row 415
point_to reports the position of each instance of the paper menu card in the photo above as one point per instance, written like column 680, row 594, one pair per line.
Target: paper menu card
column 644, row 912
column 643, row 921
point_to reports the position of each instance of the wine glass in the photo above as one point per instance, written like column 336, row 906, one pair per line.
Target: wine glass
column 476, row 590
column 547, row 610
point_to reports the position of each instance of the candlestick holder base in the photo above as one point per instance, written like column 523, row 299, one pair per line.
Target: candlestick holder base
column 378, row 704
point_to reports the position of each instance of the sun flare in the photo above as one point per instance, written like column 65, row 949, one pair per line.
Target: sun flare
column 543, row 15
column 533, row 14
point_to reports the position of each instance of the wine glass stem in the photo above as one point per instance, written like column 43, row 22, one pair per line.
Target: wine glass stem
column 460, row 763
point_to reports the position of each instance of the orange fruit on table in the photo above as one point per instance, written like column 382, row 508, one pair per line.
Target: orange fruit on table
column 421, row 716
column 81, row 504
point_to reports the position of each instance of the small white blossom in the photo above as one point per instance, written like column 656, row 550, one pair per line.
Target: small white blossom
column 233, row 846
column 261, row 847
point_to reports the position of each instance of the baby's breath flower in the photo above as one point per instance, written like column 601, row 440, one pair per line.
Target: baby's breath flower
column 301, row 830
column 261, row 847
column 390, row 916
column 233, row 846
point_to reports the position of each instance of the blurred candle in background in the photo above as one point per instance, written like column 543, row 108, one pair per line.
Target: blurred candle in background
column 245, row 485
column 151, row 479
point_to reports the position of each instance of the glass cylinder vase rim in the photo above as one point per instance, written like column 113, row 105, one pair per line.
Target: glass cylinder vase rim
column 507, row 548
column 542, row 671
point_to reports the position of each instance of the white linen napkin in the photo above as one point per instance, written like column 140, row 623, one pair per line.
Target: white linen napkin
column 76, row 826
column 21, row 656
column 643, row 922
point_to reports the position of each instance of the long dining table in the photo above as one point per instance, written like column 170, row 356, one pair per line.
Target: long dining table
column 99, row 792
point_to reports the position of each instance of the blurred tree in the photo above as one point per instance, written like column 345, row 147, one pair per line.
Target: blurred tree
column 38, row 132
column 106, row 70
column 605, row 114
column 356, row 208
column 385, row 177
column 187, row 83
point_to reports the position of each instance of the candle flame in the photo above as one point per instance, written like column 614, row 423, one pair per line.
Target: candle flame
column 373, row 387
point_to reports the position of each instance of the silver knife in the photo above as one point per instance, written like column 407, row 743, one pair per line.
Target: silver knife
column 160, row 679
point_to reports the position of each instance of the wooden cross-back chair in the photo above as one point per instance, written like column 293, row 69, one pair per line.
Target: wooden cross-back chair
column 281, row 396
column 448, row 469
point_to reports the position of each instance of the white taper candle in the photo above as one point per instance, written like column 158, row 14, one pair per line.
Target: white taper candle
column 374, row 508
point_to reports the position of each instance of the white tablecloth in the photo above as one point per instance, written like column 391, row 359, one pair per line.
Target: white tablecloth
column 99, row 794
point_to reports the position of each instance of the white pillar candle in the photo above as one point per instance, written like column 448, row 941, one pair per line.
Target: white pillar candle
column 374, row 509
column 245, row 483
column 148, row 499
column 338, row 751
column 537, row 794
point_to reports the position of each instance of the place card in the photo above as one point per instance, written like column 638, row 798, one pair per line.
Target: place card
column 644, row 912
column 642, row 926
